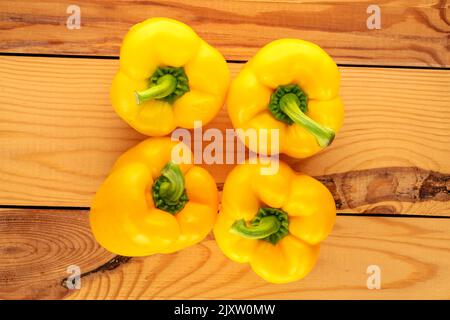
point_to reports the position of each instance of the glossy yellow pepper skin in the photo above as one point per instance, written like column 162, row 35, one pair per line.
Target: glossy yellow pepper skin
column 273, row 72
column 156, row 107
column 124, row 217
column 307, row 215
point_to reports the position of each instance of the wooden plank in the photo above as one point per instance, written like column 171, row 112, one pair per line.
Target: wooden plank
column 38, row 246
column 60, row 139
column 413, row 33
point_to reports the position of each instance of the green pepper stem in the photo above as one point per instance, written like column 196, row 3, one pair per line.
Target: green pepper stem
column 165, row 86
column 267, row 225
column 172, row 189
column 289, row 104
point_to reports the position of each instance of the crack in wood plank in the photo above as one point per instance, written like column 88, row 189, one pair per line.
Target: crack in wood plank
column 112, row 264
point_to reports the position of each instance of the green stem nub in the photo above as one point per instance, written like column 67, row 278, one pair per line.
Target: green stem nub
column 168, row 190
column 289, row 104
column 269, row 224
column 166, row 83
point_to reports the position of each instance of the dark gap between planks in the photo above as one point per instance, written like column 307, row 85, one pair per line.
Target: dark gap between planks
column 46, row 55
column 340, row 214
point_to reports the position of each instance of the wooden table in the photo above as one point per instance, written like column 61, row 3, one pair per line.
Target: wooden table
column 389, row 168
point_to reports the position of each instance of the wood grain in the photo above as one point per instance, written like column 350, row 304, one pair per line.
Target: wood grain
column 412, row 32
column 60, row 139
column 38, row 246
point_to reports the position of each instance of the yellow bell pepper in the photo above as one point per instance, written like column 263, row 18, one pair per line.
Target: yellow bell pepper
column 169, row 77
column 274, row 222
column 150, row 204
column 292, row 86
